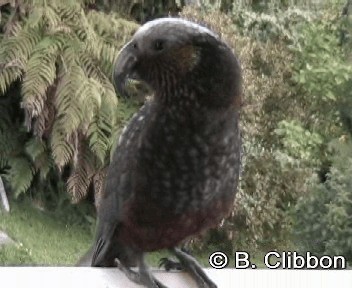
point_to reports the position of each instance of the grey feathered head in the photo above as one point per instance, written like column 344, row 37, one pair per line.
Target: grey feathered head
column 172, row 54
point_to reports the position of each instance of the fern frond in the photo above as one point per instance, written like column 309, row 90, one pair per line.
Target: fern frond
column 51, row 18
column 34, row 148
column 44, row 122
column 14, row 54
column 83, row 172
column 114, row 29
column 112, row 32
column 61, row 146
column 40, row 74
column 20, row 175
column 68, row 116
column 73, row 16
column 107, row 55
column 20, row 45
column 8, row 75
column 68, row 56
column 35, row 17
column 64, row 52
column 68, row 105
column 44, row 164
column 90, row 65
column 68, row 13
column 101, row 128
column 99, row 133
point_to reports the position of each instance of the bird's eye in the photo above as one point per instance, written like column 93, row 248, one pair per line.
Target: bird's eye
column 134, row 45
column 158, row 45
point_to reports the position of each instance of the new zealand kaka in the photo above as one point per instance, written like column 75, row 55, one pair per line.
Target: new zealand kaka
column 175, row 171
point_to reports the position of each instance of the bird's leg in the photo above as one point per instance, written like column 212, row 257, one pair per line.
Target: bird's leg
column 143, row 276
column 147, row 275
column 170, row 264
column 190, row 264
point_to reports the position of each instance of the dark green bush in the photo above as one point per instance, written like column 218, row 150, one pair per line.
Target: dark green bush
column 323, row 218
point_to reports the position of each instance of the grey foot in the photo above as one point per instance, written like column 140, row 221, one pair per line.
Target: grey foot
column 169, row 264
column 190, row 264
column 142, row 277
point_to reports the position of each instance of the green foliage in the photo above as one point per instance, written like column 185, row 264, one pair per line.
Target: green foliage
column 322, row 75
column 299, row 120
column 323, row 218
column 299, row 143
column 141, row 10
column 15, row 163
column 270, row 186
column 345, row 103
column 270, row 25
column 61, row 54
column 287, row 123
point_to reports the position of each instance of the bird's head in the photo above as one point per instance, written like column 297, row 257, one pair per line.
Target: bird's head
column 173, row 55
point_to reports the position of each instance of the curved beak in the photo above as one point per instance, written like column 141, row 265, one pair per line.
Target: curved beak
column 123, row 69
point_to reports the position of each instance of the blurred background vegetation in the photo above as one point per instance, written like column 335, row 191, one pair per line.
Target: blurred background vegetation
column 60, row 118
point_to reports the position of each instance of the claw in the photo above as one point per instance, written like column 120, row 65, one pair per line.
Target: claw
column 192, row 266
column 142, row 277
column 169, row 264
column 162, row 261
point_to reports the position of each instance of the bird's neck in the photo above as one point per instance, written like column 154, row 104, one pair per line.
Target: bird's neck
column 178, row 96
column 183, row 104
column 186, row 115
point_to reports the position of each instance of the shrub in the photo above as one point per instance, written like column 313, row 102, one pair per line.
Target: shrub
column 323, row 218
